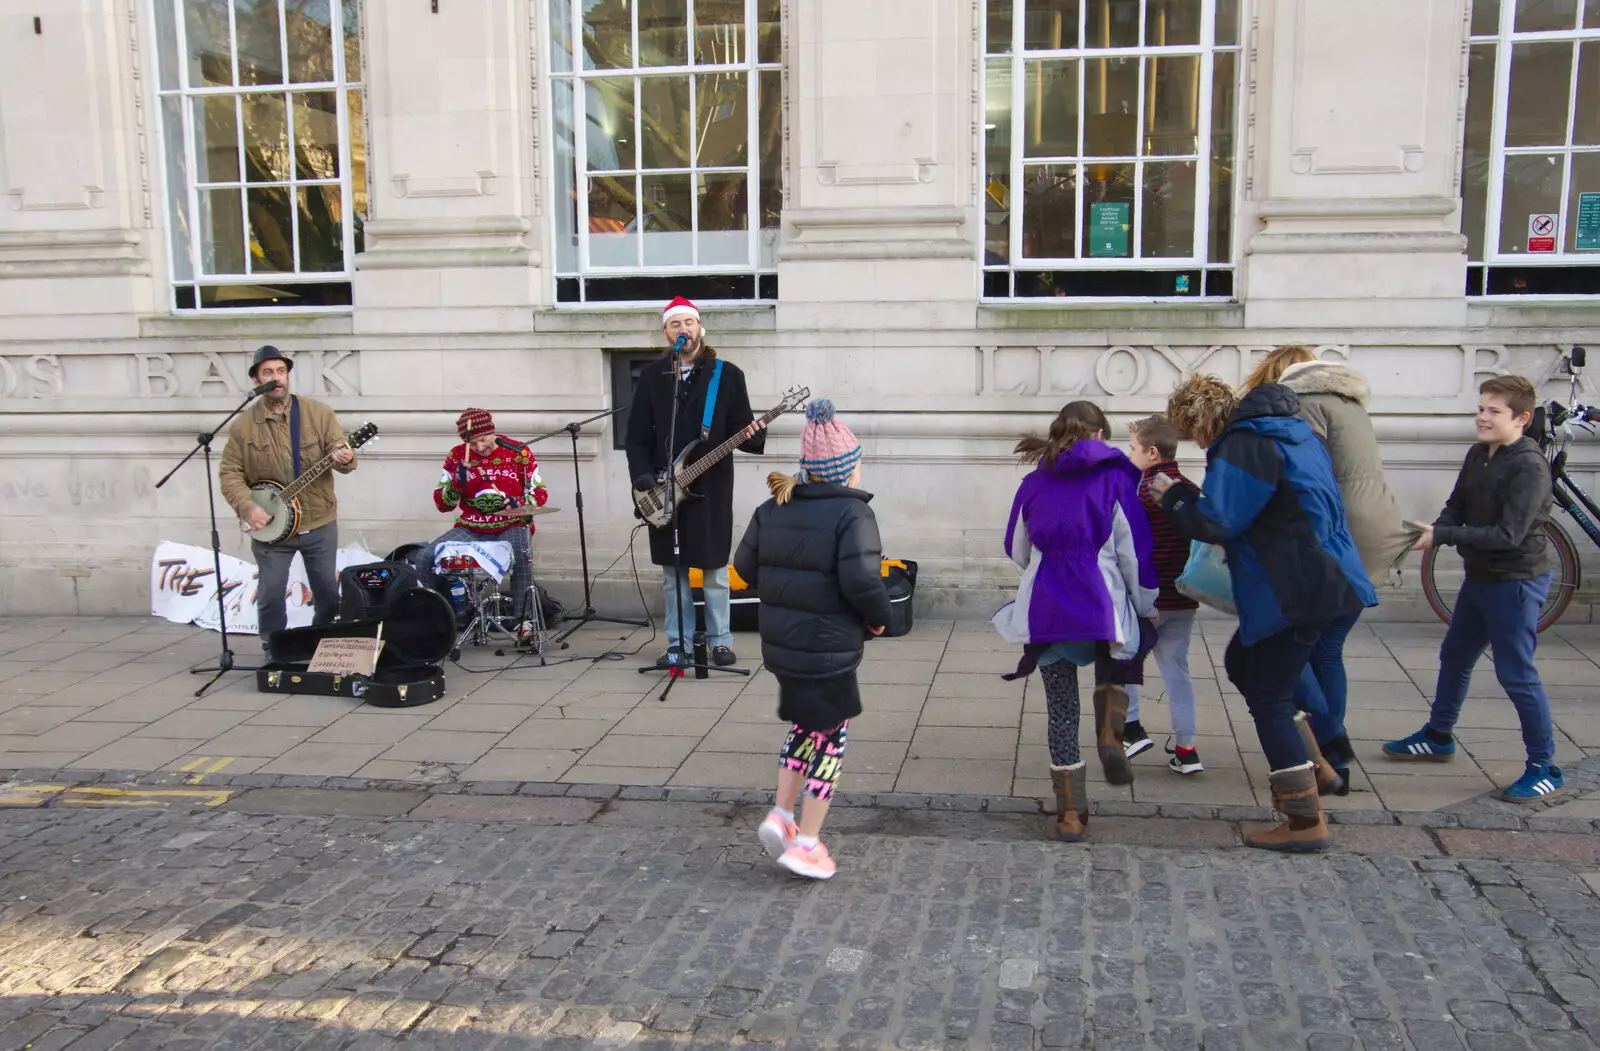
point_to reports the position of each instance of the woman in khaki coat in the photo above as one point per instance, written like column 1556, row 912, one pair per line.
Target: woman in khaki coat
column 1333, row 400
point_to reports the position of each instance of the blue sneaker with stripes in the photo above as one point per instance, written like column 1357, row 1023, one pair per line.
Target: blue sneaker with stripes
column 1540, row 781
column 1420, row 746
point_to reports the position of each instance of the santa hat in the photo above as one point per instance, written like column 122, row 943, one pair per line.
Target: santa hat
column 679, row 307
column 829, row 452
column 474, row 422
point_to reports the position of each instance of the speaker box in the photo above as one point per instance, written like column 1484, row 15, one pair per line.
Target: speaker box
column 369, row 590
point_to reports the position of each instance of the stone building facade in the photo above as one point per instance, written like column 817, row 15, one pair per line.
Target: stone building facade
column 949, row 216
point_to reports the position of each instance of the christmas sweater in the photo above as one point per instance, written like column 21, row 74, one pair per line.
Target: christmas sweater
column 470, row 483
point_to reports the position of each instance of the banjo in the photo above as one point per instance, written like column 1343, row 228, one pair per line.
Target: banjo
column 652, row 506
column 281, row 501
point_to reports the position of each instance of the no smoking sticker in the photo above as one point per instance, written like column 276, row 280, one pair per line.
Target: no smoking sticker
column 1542, row 232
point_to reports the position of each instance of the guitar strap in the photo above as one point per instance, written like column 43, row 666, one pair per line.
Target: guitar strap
column 711, row 400
column 294, row 433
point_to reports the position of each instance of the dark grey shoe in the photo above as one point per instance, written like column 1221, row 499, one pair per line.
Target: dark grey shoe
column 722, row 656
column 669, row 658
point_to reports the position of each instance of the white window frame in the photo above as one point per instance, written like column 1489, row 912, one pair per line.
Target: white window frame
column 577, row 77
column 1206, row 49
column 340, row 87
column 1504, row 41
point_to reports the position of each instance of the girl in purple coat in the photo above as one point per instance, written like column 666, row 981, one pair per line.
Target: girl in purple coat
column 1088, row 594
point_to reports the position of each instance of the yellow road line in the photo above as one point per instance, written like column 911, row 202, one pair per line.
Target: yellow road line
column 192, row 764
column 27, row 795
column 218, row 765
column 90, row 795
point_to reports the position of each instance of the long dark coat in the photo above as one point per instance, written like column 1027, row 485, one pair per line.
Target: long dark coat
column 705, row 526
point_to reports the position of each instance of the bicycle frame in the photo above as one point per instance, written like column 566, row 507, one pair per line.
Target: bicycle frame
column 1568, row 493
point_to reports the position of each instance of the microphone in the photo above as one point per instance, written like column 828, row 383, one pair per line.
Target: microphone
column 677, row 348
column 270, row 385
column 506, row 443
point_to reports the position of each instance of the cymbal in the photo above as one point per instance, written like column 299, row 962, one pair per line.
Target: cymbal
column 530, row 511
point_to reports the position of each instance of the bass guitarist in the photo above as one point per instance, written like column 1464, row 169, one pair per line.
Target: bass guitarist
column 705, row 521
column 262, row 447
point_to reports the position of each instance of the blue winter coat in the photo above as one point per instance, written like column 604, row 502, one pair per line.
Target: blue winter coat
column 1271, row 500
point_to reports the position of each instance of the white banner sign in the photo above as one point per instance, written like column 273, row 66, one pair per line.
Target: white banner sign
column 183, row 587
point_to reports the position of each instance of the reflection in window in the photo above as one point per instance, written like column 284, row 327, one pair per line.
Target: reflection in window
column 670, row 120
column 266, row 178
column 1109, row 145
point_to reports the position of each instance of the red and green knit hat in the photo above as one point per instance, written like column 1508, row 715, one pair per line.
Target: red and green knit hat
column 474, row 422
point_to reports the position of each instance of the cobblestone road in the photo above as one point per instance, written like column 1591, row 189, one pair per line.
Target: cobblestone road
column 162, row 928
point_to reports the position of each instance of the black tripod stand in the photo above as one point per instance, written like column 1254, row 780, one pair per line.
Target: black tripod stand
column 588, row 615
column 225, row 661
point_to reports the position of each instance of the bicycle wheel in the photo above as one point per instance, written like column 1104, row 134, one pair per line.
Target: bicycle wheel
column 1443, row 572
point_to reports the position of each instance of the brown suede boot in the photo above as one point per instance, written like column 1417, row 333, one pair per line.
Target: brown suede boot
column 1110, row 714
column 1294, row 793
column 1071, row 821
column 1329, row 783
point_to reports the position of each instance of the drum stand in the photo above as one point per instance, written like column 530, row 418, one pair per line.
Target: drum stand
column 491, row 613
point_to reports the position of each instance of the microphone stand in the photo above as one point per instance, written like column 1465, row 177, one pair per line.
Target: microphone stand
column 225, row 661
column 589, row 615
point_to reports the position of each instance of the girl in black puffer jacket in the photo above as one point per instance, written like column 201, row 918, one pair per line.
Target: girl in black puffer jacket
column 813, row 555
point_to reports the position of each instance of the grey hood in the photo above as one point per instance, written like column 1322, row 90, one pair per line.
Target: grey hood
column 1326, row 377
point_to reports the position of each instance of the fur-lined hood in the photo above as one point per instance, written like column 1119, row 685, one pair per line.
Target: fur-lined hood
column 1326, row 377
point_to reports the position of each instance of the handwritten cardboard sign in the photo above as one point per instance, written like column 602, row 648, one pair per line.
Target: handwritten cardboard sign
column 358, row 656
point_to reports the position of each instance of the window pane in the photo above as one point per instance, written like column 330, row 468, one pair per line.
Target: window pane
column 609, row 127
column 1532, row 186
column 321, row 229
column 771, row 129
column 1539, row 16
column 316, row 134
column 205, row 27
column 1591, row 16
column 166, row 46
column 722, row 120
column 271, row 230
column 1541, row 79
column 1224, row 118
column 351, row 11
column 1167, row 211
column 216, row 138
column 1110, row 107
column 1049, row 25
column 1227, row 23
column 997, row 28
column 997, row 163
column 608, row 35
column 718, row 32
column 1586, row 115
column 565, row 214
column 1112, row 23
column 668, row 236
column 1050, row 97
column 1585, row 179
column 356, row 109
column 255, row 25
column 770, row 27
column 221, row 232
column 1476, row 147
column 266, row 139
column 560, row 36
column 1107, row 198
column 663, row 32
column 309, row 27
column 1172, row 23
column 664, row 123
column 1172, row 105
column 1049, row 211
column 724, row 218
column 177, row 187
column 613, row 223
column 1485, row 17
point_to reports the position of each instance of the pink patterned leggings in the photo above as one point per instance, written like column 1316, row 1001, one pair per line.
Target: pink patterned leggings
column 816, row 754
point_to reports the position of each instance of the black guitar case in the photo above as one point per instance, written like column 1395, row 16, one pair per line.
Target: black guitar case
column 419, row 628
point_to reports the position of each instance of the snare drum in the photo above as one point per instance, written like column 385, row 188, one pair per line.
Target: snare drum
column 458, row 565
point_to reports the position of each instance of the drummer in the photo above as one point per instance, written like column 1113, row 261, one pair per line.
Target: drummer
column 485, row 476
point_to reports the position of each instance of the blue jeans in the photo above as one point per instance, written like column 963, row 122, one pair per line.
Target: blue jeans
column 719, row 615
column 1503, row 614
column 1324, row 691
column 1266, row 674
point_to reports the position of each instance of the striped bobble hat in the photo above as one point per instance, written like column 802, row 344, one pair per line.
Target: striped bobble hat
column 828, row 451
column 474, row 422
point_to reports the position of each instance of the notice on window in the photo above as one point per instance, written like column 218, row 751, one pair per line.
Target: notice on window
column 1589, row 222
column 1108, row 229
column 1542, row 232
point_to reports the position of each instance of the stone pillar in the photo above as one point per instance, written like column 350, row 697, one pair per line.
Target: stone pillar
column 881, row 187
column 1352, row 197
column 76, row 186
column 449, row 242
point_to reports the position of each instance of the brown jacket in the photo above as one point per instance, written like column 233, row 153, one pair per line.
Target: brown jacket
column 258, row 451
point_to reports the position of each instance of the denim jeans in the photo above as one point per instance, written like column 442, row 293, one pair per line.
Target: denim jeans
column 1174, row 628
column 319, row 549
column 1503, row 614
column 1324, row 691
column 519, row 537
column 719, row 615
column 1267, row 674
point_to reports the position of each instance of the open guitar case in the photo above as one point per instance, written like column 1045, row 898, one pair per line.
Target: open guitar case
column 419, row 628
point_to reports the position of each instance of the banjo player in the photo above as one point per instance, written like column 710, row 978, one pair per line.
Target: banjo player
column 259, row 449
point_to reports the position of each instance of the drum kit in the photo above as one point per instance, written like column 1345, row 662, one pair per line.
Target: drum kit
column 486, row 610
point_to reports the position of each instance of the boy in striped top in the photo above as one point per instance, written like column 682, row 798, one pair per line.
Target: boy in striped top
column 1153, row 448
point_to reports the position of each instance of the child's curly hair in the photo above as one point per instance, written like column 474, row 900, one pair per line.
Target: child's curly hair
column 1199, row 407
